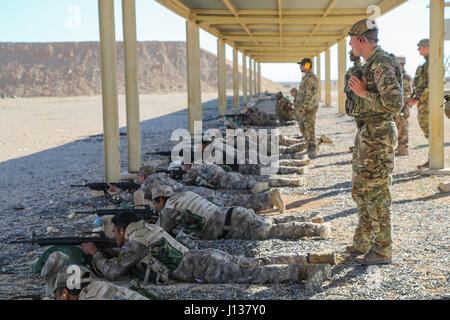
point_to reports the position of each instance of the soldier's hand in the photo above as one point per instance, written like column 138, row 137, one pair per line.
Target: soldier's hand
column 89, row 248
column 112, row 188
column 358, row 87
column 413, row 102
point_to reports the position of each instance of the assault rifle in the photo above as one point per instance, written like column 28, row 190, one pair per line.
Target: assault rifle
column 147, row 213
column 175, row 173
column 241, row 116
column 100, row 242
column 129, row 186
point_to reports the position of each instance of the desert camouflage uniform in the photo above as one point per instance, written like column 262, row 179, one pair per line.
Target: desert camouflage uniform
column 155, row 253
column 421, row 86
column 373, row 154
column 351, row 97
column 194, row 214
column 213, row 176
column 284, row 109
column 260, row 118
column 307, row 98
column 258, row 201
column 101, row 290
column 401, row 118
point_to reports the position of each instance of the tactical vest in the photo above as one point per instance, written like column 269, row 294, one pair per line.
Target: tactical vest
column 165, row 253
column 196, row 208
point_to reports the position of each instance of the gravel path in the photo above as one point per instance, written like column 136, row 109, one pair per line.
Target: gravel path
column 36, row 195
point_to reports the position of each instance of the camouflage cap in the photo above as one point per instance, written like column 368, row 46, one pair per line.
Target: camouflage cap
column 72, row 274
column 146, row 170
column 54, row 264
column 424, row 43
column 293, row 90
column 363, row 26
column 162, row 191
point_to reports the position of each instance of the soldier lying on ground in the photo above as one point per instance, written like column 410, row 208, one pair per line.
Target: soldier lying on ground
column 149, row 250
column 58, row 275
column 284, row 108
column 194, row 214
column 258, row 201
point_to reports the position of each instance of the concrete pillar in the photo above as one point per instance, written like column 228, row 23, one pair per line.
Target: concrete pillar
column 235, row 79
column 436, row 84
column 131, row 85
column 111, row 139
column 221, row 77
column 193, row 74
column 327, row 78
column 342, row 67
column 244, row 78
column 250, row 78
column 319, row 77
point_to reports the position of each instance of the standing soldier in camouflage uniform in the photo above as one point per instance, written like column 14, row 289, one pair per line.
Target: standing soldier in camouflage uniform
column 151, row 251
column 401, row 119
column 306, row 105
column 191, row 213
column 421, row 91
column 380, row 96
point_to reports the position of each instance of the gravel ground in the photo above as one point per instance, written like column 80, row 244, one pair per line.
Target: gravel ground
column 36, row 195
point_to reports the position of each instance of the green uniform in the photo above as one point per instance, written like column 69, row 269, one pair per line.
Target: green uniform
column 284, row 109
column 421, row 86
column 307, row 98
column 373, row 154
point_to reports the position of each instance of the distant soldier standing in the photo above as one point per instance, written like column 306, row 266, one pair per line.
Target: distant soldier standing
column 421, row 91
column 401, row 119
column 306, row 105
column 380, row 96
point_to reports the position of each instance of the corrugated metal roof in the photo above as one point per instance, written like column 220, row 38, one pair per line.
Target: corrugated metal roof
column 278, row 30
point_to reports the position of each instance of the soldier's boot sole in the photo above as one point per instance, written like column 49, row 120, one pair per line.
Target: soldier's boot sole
column 324, row 231
column 322, row 257
column 314, row 274
column 277, row 200
column 260, row 187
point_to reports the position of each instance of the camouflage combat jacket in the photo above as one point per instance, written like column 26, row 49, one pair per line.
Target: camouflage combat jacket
column 421, row 81
column 384, row 79
column 351, row 101
column 307, row 92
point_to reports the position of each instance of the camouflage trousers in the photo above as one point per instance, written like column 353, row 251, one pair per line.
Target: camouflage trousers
column 401, row 121
column 295, row 148
column 246, row 224
column 255, row 169
column 307, row 124
column 216, row 266
column 423, row 114
column 235, row 181
column 288, row 141
column 373, row 163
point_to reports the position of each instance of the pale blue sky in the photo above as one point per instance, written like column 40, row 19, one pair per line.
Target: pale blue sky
column 77, row 20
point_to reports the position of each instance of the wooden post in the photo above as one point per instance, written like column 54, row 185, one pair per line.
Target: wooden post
column 259, row 77
column 111, row 139
column 131, row 85
column 193, row 74
column 250, row 78
column 221, row 77
column 436, row 74
column 342, row 56
column 319, row 77
column 235, row 78
column 327, row 78
column 244, row 78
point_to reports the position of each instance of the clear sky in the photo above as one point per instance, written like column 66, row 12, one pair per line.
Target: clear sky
column 77, row 20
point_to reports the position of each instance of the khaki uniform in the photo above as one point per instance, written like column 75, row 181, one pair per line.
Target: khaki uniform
column 373, row 154
column 196, row 215
column 307, row 98
column 153, row 252
column 258, row 202
column 421, row 86
column 401, row 118
column 101, row 290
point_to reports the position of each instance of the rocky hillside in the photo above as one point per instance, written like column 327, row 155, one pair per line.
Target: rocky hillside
column 73, row 69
